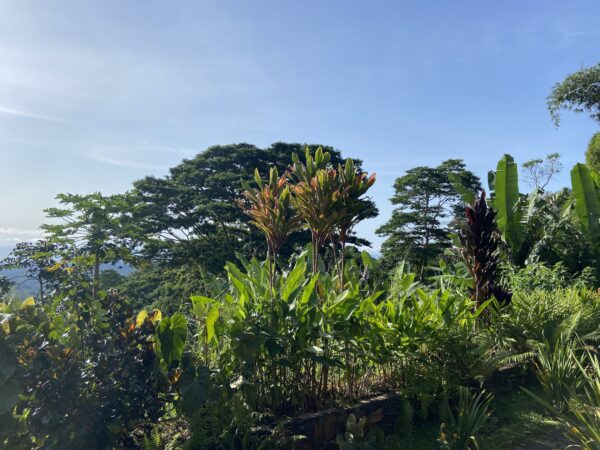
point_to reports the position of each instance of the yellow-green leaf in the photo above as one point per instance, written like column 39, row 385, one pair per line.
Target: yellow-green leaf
column 172, row 333
column 141, row 317
column 211, row 318
column 28, row 302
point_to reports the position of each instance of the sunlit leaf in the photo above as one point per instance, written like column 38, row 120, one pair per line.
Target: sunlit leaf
column 141, row 317
column 314, row 349
column 28, row 302
column 506, row 202
column 294, row 279
column 587, row 204
column 211, row 318
column 200, row 304
column 172, row 333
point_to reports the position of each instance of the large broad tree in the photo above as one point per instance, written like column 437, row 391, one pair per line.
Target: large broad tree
column 426, row 204
column 191, row 216
column 578, row 92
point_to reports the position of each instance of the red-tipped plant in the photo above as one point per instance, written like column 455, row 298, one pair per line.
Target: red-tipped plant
column 269, row 207
column 316, row 196
column 352, row 208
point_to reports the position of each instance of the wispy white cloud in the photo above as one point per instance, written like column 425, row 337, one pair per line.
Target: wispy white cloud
column 142, row 156
column 125, row 162
column 568, row 36
column 12, row 235
column 14, row 231
column 4, row 110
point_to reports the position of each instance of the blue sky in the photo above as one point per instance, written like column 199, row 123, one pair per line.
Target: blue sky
column 94, row 95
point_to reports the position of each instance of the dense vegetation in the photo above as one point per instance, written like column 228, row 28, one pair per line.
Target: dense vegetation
column 251, row 301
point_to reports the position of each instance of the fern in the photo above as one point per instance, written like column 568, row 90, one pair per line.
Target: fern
column 153, row 441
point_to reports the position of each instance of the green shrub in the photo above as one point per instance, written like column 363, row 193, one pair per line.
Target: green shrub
column 80, row 376
column 556, row 368
column 222, row 423
column 545, row 315
column 540, row 277
column 581, row 415
column 472, row 413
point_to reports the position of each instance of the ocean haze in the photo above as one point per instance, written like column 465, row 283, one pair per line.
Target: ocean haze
column 5, row 250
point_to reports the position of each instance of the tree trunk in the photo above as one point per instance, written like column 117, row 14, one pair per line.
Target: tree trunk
column 315, row 255
column 342, row 264
column 426, row 242
column 41, row 282
column 96, row 274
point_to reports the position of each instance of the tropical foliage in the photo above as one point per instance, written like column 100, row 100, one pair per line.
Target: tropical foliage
column 302, row 322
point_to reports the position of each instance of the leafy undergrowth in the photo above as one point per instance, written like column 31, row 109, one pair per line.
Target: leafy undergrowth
column 515, row 418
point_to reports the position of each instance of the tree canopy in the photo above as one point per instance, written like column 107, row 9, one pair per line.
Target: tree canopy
column 426, row 200
column 192, row 216
column 592, row 154
column 37, row 261
column 539, row 172
column 93, row 225
column 578, row 92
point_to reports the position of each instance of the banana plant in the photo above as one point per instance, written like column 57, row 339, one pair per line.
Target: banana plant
column 586, row 183
column 509, row 205
column 514, row 211
column 517, row 213
column 507, row 202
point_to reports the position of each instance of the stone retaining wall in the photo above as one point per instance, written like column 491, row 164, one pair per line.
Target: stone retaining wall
column 321, row 428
